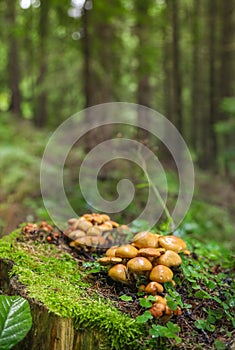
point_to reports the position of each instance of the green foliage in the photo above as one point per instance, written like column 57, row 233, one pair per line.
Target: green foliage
column 15, row 320
column 145, row 317
column 147, row 302
column 169, row 331
column 125, row 297
column 53, row 278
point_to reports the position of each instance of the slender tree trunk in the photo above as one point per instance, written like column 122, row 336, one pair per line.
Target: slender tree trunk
column 227, row 68
column 195, row 97
column 167, row 65
column 97, row 86
column 13, row 61
column 176, row 74
column 41, row 105
column 144, row 88
column 213, row 105
column 86, row 60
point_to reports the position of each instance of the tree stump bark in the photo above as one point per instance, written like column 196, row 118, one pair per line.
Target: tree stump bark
column 49, row 331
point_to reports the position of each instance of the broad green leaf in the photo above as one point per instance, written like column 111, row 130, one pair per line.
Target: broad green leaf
column 15, row 320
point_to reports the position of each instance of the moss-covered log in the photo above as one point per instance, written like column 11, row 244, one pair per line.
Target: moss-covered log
column 67, row 314
column 70, row 312
column 49, row 331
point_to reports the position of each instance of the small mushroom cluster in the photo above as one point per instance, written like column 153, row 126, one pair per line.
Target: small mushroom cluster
column 93, row 230
column 42, row 232
column 160, row 308
column 150, row 255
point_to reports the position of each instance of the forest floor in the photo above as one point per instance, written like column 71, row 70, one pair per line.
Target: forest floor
column 219, row 334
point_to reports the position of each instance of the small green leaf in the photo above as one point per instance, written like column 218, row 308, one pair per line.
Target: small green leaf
column 173, row 327
column 147, row 302
column 219, row 345
column 171, row 303
column 125, row 297
column 15, row 320
column 201, row 294
column 144, row 318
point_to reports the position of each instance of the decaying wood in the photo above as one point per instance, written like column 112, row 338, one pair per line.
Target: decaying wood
column 49, row 331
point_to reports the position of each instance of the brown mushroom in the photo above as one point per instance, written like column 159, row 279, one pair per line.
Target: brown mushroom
column 139, row 265
column 149, row 252
column 159, row 299
column 172, row 243
column 145, row 239
column 118, row 273
column 76, row 234
column 72, row 221
column 105, row 217
column 154, row 288
column 111, row 251
column 80, row 242
column 141, row 288
column 126, row 251
column 161, row 274
column 105, row 227
column 157, row 310
column 94, row 231
column 108, row 260
column 114, row 224
column 170, row 258
column 83, row 224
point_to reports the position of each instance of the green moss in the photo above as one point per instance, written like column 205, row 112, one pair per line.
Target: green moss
column 205, row 278
column 53, row 278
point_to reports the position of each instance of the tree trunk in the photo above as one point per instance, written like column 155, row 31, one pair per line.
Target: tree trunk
column 213, row 101
column 176, row 74
column 49, row 331
column 13, row 61
column 97, row 86
column 144, row 88
column 227, row 62
column 41, row 103
column 195, row 97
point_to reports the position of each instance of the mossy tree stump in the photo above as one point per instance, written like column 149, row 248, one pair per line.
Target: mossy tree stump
column 49, row 331
column 65, row 316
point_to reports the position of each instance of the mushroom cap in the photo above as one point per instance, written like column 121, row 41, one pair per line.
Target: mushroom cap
column 114, row 224
column 72, row 221
column 139, row 264
column 170, row 258
column 172, row 243
column 111, row 251
column 149, row 252
column 80, row 242
column 145, row 239
column 76, row 234
column 94, row 231
column 161, row 274
column 108, row 260
column 118, row 273
column 159, row 299
column 83, row 224
column 154, row 288
column 105, row 217
column 126, row 251
column 105, row 227
column 157, row 310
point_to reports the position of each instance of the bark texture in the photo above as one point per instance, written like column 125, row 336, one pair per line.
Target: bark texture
column 49, row 331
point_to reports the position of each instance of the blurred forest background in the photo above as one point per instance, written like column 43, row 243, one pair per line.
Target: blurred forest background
column 175, row 56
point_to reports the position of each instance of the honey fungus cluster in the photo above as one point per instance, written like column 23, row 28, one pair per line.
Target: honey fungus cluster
column 92, row 231
column 151, row 255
